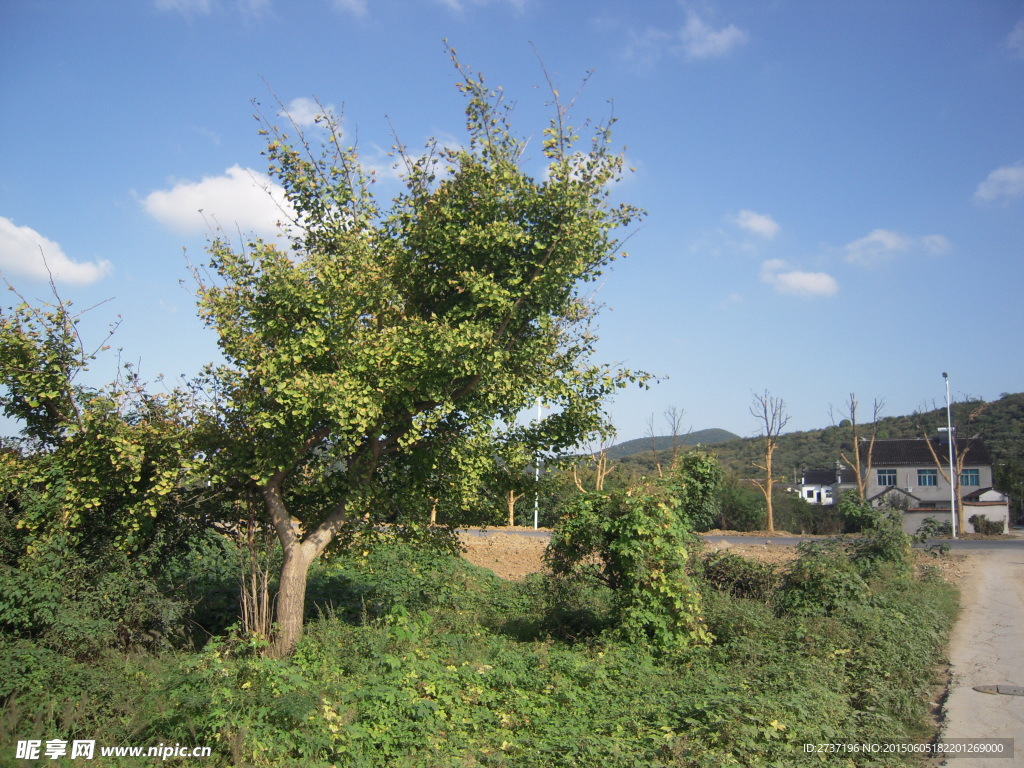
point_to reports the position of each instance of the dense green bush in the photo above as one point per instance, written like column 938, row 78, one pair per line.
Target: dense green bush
column 740, row 576
column 409, row 689
column 78, row 607
column 985, row 526
column 821, row 580
column 635, row 543
column 742, row 507
column 930, row 527
column 883, row 547
column 694, row 481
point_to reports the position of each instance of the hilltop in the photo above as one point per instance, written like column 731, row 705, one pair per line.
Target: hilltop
column 665, row 442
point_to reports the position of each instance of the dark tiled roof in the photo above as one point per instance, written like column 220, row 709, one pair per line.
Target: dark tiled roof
column 828, row 476
column 912, row 452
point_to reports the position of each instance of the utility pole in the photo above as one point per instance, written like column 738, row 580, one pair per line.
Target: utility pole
column 536, row 479
column 952, row 466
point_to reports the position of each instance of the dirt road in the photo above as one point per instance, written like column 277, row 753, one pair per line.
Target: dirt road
column 987, row 649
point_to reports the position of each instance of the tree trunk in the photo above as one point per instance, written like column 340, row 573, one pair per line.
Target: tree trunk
column 291, row 599
column 511, row 501
column 299, row 554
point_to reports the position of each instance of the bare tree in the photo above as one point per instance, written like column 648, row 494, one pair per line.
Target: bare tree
column 674, row 420
column 510, row 499
column 771, row 413
column 862, row 465
column 602, row 467
column 650, row 435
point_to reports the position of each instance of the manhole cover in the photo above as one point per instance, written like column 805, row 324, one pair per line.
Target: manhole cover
column 1006, row 690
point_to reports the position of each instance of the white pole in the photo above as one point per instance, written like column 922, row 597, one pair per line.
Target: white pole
column 536, row 478
column 952, row 466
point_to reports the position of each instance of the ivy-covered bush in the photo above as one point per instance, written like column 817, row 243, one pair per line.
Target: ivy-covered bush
column 985, row 526
column 636, row 544
column 821, row 580
column 740, row 576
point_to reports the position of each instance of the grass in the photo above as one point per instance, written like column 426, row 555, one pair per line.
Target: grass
column 416, row 658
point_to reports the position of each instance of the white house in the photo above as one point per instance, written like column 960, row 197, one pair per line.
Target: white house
column 823, row 486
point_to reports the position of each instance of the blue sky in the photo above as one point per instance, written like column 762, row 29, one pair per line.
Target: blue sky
column 835, row 191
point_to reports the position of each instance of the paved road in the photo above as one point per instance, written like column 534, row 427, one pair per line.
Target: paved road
column 987, row 649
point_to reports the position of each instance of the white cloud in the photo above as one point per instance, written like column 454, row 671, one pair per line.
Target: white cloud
column 1015, row 40
column 304, row 111
column 185, row 7
column 936, row 244
column 254, row 8
column 730, row 301
column 384, row 165
column 250, row 9
column 25, row 252
column 757, row 223
column 884, row 244
column 355, row 7
column 694, row 40
column 242, row 198
column 647, row 48
column 1006, row 182
column 776, row 273
column 700, row 41
column 460, row 5
column 878, row 245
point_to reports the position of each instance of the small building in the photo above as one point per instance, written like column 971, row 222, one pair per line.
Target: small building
column 823, row 486
column 911, row 475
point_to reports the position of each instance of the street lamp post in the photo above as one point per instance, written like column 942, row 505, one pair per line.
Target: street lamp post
column 952, row 466
column 536, row 481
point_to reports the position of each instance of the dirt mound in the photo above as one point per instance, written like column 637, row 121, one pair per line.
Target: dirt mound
column 509, row 555
column 514, row 557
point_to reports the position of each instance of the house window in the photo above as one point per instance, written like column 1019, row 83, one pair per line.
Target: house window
column 927, row 477
column 886, row 478
column 810, row 494
column 970, row 477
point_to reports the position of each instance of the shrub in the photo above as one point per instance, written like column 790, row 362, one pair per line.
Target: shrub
column 742, row 507
column 740, row 576
column 985, row 526
column 79, row 607
column 820, row 580
column 636, row 544
column 930, row 527
column 857, row 514
column 883, row 545
column 794, row 513
column 694, row 482
column 207, row 576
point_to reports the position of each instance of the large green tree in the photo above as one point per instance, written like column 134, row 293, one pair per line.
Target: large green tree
column 381, row 342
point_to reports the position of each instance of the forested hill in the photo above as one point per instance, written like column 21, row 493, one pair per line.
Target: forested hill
column 665, row 443
column 1000, row 423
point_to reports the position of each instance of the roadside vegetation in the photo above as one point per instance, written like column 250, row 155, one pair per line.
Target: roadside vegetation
column 414, row 657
